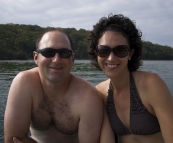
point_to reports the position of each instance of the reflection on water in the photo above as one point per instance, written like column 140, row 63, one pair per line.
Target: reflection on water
column 82, row 68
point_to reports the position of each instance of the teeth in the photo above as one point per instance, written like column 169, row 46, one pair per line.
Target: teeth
column 112, row 66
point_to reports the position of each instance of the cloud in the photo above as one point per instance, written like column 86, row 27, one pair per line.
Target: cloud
column 154, row 18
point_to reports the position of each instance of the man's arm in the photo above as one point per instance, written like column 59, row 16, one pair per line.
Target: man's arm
column 16, row 140
column 91, row 116
column 18, row 110
column 107, row 135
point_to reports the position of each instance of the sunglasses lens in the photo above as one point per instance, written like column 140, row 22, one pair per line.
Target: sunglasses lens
column 48, row 53
column 102, row 51
column 65, row 53
column 121, row 51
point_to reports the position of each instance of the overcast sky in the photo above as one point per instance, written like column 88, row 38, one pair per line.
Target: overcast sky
column 153, row 17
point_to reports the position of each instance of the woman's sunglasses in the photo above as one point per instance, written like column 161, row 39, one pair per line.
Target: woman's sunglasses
column 120, row 51
column 50, row 52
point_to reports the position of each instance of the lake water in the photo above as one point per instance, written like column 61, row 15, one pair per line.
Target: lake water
column 82, row 68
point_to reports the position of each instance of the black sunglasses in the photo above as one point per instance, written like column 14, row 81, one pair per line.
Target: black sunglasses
column 120, row 51
column 50, row 52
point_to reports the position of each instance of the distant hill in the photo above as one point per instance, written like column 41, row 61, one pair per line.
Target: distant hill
column 17, row 42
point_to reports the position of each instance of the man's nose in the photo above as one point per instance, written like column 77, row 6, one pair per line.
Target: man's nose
column 56, row 57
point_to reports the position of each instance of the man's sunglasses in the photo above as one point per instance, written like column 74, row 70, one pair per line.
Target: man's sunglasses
column 50, row 52
column 120, row 51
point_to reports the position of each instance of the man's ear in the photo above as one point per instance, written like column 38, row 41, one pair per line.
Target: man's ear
column 35, row 55
column 73, row 58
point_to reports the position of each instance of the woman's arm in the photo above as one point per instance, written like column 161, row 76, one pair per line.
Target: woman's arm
column 162, row 103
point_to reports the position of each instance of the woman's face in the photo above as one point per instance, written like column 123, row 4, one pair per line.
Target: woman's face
column 113, row 65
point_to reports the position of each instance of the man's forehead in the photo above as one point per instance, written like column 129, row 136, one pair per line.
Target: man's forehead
column 53, row 34
column 54, row 38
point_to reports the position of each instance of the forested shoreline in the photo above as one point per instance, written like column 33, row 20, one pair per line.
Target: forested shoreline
column 17, row 42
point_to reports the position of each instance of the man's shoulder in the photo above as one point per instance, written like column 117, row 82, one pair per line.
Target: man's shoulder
column 83, row 86
column 27, row 75
column 29, row 71
column 80, row 81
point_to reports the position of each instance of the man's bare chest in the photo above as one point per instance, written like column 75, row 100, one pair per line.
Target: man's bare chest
column 58, row 115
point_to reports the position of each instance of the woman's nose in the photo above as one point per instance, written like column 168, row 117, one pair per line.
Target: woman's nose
column 111, row 56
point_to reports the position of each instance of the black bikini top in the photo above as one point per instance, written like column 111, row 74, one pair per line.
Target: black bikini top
column 142, row 122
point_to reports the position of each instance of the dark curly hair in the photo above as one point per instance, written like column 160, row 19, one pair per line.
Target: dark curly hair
column 127, row 28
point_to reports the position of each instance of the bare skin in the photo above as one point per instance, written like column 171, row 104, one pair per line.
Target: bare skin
column 151, row 88
column 56, row 105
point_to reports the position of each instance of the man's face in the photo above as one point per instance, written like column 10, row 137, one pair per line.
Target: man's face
column 54, row 69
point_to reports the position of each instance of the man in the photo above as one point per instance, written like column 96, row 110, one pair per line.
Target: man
column 56, row 105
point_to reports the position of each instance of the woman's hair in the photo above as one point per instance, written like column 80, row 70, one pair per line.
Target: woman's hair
column 127, row 28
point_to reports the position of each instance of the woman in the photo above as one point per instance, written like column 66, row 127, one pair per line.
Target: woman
column 138, row 103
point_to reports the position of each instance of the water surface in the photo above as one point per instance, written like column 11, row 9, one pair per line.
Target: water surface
column 82, row 68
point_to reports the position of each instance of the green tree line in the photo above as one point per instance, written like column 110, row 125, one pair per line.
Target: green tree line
column 17, row 42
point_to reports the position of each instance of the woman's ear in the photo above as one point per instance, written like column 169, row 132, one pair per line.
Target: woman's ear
column 35, row 55
column 131, row 53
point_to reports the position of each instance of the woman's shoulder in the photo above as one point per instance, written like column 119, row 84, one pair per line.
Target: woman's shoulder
column 146, row 78
column 150, row 84
column 103, row 85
